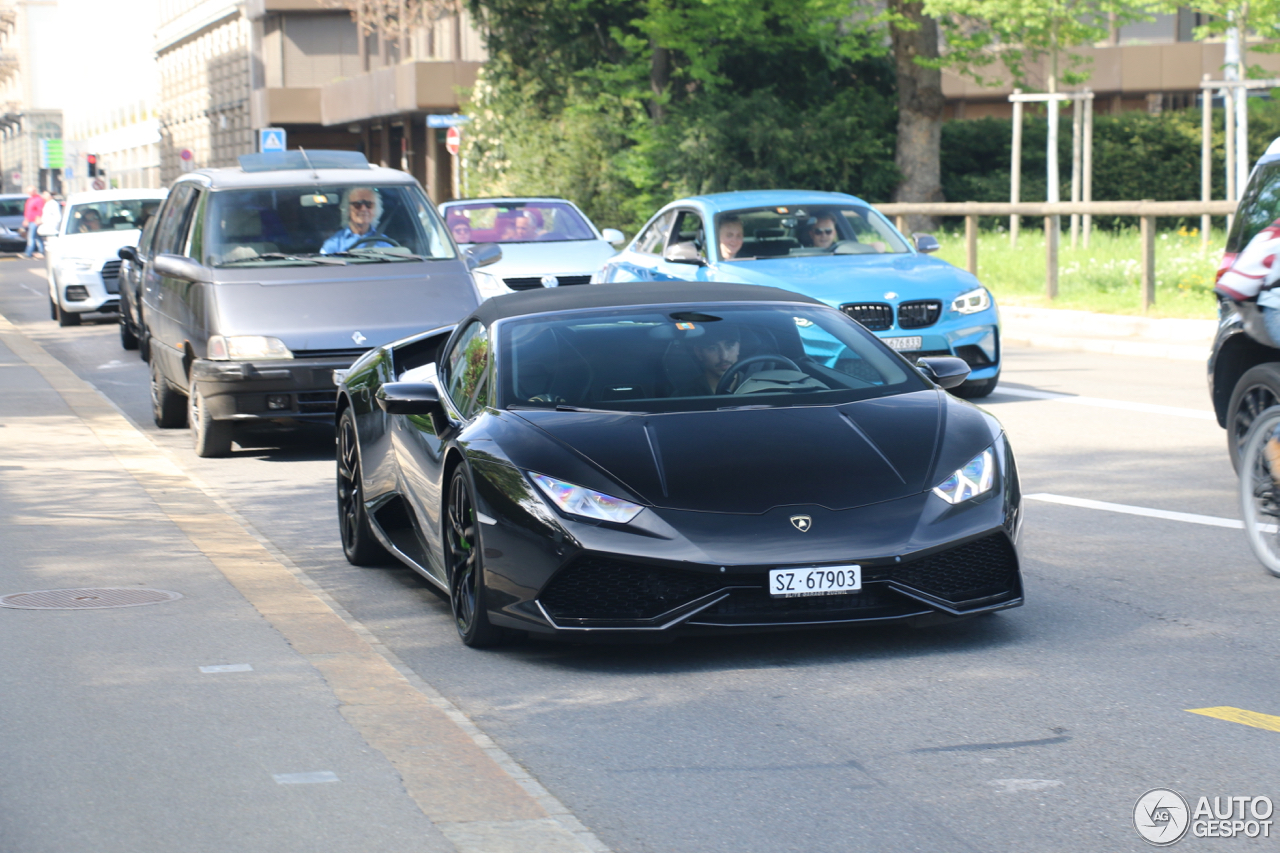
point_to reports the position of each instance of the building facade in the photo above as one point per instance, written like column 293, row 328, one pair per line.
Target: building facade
column 30, row 93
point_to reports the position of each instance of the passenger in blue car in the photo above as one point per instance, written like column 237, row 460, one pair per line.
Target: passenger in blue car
column 361, row 210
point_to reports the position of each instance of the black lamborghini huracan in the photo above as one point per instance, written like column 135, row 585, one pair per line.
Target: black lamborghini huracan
column 659, row 458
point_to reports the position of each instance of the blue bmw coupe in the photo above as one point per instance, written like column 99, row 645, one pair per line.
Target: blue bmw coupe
column 832, row 247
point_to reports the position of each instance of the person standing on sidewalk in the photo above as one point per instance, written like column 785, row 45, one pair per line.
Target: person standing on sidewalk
column 50, row 218
column 31, row 214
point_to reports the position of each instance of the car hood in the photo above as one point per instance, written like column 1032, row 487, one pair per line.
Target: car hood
column 752, row 461
column 96, row 244
column 344, row 308
column 570, row 257
column 836, row 279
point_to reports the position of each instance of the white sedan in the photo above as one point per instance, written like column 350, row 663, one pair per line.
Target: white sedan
column 546, row 242
column 82, row 261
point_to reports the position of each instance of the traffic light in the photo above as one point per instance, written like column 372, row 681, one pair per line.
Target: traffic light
column 93, row 164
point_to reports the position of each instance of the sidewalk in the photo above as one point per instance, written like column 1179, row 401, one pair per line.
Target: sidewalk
column 249, row 713
column 1117, row 334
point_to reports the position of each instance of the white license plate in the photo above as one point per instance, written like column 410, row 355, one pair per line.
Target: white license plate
column 902, row 344
column 826, row 580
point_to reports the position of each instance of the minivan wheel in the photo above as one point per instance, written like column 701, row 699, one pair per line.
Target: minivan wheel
column 167, row 406
column 1257, row 391
column 210, row 438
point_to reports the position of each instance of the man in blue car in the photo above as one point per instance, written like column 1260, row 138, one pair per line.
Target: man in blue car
column 361, row 209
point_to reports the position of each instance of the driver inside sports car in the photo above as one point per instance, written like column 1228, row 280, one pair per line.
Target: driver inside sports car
column 714, row 353
column 361, row 209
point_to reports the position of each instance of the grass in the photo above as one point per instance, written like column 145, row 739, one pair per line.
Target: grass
column 1104, row 278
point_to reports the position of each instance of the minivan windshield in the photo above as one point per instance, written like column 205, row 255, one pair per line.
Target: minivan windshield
column 292, row 226
column 695, row 358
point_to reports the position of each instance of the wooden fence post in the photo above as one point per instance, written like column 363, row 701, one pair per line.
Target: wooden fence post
column 971, row 243
column 900, row 222
column 1051, row 256
column 1148, row 232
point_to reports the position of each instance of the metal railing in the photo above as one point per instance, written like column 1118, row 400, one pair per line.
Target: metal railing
column 1146, row 211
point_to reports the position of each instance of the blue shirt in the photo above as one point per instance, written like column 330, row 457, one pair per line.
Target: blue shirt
column 346, row 238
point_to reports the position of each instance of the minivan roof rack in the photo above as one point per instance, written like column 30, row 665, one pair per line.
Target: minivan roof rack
column 270, row 161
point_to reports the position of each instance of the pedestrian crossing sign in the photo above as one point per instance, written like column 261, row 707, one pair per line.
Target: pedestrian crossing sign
column 271, row 139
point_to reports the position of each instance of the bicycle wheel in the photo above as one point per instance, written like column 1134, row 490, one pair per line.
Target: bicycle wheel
column 1260, row 488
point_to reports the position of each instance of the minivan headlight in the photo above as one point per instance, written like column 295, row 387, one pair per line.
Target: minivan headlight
column 972, row 301
column 243, row 347
column 975, row 478
column 577, row 500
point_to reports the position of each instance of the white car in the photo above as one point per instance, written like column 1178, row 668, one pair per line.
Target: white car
column 82, row 260
column 546, row 242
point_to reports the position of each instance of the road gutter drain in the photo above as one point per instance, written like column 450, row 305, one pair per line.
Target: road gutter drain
column 86, row 599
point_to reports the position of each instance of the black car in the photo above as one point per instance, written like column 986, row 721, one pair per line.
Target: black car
column 13, row 237
column 574, row 461
column 133, row 264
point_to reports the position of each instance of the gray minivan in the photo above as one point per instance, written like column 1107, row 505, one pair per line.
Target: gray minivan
column 264, row 279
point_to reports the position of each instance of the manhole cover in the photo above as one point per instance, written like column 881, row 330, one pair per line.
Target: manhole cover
column 86, row 599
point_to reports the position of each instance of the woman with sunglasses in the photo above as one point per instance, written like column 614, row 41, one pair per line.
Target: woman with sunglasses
column 361, row 209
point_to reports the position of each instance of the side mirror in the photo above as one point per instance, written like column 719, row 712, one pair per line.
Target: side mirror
column 947, row 371
column 127, row 253
column 482, row 254
column 176, row 266
column 613, row 236
column 684, row 253
column 409, row 398
column 926, row 243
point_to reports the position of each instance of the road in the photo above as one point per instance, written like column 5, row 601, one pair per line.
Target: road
column 1034, row 729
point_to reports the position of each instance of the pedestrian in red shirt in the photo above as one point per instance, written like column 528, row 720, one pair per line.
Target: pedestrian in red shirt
column 31, row 214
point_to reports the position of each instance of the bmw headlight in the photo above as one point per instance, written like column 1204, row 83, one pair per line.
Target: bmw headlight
column 972, row 301
column 489, row 284
column 576, row 500
column 246, row 347
column 975, row 478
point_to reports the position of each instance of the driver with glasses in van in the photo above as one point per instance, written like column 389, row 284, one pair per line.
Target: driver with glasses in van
column 361, row 209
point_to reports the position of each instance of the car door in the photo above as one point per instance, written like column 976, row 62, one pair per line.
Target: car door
column 688, row 240
column 637, row 263
column 131, row 276
column 463, row 375
column 162, row 296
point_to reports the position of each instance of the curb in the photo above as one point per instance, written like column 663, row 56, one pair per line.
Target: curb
column 1114, row 334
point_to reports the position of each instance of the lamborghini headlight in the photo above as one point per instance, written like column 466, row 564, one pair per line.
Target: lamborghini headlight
column 972, row 301
column 576, row 500
column 975, row 478
column 246, row 347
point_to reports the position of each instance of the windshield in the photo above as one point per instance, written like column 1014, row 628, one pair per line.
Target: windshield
column 1259, row 207
column 683, row 358
column 290, row 226
column 770, row 232
column 516, row 222
column 123, row 214
column 12, row 206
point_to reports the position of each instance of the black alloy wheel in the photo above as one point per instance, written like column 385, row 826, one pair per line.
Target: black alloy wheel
column 1257, row 391
column 128, row 339
column 210, row 438
column 168, row 409
column 65, row 317
column 464, row 558
column 359, row 545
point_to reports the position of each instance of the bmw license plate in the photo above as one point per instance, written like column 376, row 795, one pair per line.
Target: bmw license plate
column 905, row 344
column 827, row 580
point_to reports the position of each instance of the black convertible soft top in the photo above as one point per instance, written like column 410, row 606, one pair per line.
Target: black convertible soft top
column 621, row 295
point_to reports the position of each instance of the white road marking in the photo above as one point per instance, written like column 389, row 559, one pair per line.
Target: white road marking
column 228, row 667
column 1103, row 403
column 1186, row 517
column 24, row 287
column 305, row 778
column 111, row 365
column 1015, row 786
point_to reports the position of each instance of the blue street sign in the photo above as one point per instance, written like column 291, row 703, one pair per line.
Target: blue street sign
column 68, row 172
column 271, row 139
column 447, row 121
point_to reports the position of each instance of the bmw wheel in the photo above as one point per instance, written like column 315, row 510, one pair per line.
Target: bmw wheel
column 359, row 545
column 167, row 406
column 211, row 438
column 465, row 561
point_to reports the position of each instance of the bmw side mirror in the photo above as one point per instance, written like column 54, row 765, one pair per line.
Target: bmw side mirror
column 482, row 254
column 613, row 236
column 947, row 371
column 926, row 243
column 127, row 253
column 684, row 253
column 176, row 266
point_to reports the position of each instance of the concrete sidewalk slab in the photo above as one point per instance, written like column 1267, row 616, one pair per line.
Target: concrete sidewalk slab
column 115, row 740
